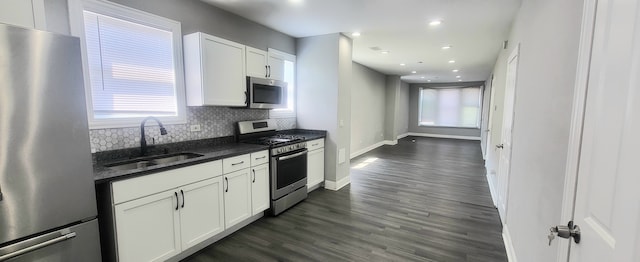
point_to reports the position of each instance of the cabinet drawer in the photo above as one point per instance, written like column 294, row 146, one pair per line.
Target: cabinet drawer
column 315, row 144
column 141, row 186
column 259, row 158
column 235, row 163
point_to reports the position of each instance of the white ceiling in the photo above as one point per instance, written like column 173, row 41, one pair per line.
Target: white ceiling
column 475, row 29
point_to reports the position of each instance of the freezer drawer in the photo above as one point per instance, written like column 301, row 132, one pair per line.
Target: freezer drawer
column 77, row 243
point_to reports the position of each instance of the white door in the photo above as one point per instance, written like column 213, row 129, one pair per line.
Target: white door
column 607, row 194
column 259, row 188
column 490, row 119
column 148, row 229
column 237, row 197
column 504, row 167
column 201, row 211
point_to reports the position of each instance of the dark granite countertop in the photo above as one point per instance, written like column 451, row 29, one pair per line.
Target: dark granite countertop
column 211, row 149
column 210, row 152
column 306, row 133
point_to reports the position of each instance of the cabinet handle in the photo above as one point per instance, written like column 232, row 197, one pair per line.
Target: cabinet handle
column 182, row 192
column 254, row 175
column 266, row 71
column 227, row 180
column 314, row 145
column 269, row 71
column 262, row 157
column 177, row 200
column 241, row 162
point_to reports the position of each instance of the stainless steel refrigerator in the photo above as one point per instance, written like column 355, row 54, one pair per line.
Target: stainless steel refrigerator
column 47, row 194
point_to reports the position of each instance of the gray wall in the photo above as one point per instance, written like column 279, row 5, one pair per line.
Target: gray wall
column 392, row 84
column 548, row 33
column 402, row 115
column 197, row 16
column 194, row 16
column 323, row 97
column 367, row 108
column 414, row 96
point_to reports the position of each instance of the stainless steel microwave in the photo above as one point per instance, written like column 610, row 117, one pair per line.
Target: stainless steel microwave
column 266, row 93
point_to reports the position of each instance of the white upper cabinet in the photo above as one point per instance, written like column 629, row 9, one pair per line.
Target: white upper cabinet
column 257, row 64
column 214, row 71
column 264, row 64
column 23, row 13
column 276, row 67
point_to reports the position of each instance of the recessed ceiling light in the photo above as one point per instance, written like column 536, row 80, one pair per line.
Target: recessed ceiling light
column 384, row 52
column 452, row 61
column 446, row 47
column 355, row 34
column 413, row 72
column 458, row 76
column 296, row 1
column 459, row 80
column 422, row 77
column 435, row 23
column 403, row 64
column 428, row 80
column 455, row 70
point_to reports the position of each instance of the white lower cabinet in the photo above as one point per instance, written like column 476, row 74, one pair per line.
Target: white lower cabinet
column 315, row 163
column 201, row 211
column 237, row 197
column 160, row 215
column 148, row 229
column 260, row 188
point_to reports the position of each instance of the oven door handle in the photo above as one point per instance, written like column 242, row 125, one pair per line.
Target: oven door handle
column 292, row 156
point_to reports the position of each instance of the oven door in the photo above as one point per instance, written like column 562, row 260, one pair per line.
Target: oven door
column 289, row 172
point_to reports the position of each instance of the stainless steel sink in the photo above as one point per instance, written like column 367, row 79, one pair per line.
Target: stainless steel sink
column 150, row 161
column 173, row 158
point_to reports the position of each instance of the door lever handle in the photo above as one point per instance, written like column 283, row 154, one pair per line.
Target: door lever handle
column 501, row 146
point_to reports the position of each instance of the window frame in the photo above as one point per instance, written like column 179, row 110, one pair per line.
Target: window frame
column 479, row 119
column 76, row 17
column 286, row 113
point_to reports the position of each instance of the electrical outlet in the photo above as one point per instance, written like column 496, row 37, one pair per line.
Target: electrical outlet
column 195, row 128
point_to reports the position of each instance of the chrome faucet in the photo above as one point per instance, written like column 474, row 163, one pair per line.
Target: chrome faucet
column 143, row 140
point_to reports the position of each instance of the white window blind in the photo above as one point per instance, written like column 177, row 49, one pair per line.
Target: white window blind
column 450, row 107
column 131, row 68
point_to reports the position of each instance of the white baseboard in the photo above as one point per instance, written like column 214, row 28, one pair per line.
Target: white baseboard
column 335, row 186
column 366, row 149
column 492, row 188
column 508, row 244
column 403, row 135
column 390, row 142
column 446, row 136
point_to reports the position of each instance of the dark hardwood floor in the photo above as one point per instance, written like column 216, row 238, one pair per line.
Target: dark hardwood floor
column 417, row 201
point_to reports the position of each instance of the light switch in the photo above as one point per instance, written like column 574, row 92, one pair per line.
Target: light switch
column 195, row 128
column 342, row 156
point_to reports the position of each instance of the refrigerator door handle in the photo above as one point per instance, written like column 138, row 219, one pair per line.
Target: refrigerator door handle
column 38, row 246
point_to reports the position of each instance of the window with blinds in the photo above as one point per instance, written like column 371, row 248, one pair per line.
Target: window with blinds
column 450, row 107
column 134, row 68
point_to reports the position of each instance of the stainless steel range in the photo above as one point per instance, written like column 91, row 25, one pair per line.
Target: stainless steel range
column 288, row 162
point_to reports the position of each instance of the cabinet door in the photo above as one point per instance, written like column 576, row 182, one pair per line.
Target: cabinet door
column 237, row 197
column 276, row 67
column 148, row 228
column 315, row 167
column 256, row 62
column 259, row 188
column 201, row 211
column 223, row 62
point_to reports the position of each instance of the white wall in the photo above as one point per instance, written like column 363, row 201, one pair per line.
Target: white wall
column 367, row 107
column 548, row 33
column 324, row 95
